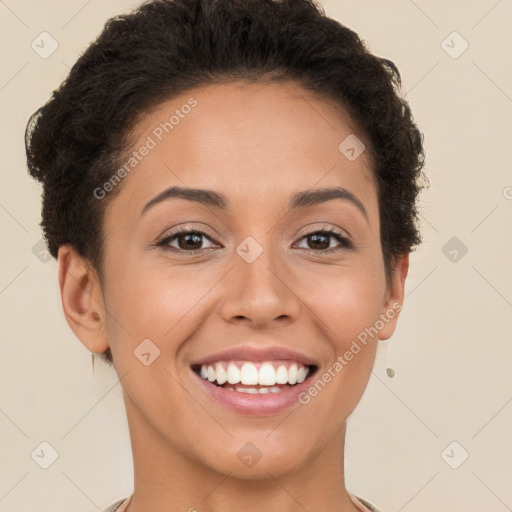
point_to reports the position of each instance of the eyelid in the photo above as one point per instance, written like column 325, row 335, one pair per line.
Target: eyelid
column 308, row 230
column 344, row 240
column 163, row 240
column 186, row 227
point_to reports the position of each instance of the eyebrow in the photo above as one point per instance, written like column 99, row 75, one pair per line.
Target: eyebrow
column 298, row 200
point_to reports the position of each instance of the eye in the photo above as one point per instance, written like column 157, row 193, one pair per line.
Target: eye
column 320, row 240
column 188, row 240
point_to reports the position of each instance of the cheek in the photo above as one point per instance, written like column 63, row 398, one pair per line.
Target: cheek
column 349, row 312
column 156, row 302
column 346, row 303
column 346, row 299
column 347, row 315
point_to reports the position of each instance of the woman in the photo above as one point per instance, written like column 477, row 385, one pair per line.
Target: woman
column 230, row 189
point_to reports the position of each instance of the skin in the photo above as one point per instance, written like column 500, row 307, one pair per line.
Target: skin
column 257, row 144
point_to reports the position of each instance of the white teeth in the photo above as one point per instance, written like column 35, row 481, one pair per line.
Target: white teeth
column 249, row 374
column 302, row 374
column 267, row 375
column 233, row 374
column 255, row 391
column 282, row 375
column 252, row 391
column 292, row 374
column 221, row 374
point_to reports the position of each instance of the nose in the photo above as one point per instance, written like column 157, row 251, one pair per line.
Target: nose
column 260, row 293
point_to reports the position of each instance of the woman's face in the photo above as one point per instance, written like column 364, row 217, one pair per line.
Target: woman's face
column 262, row 283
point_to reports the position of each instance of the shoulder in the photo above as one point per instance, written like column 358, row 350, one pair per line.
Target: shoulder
column 369, row 507
column 117, row 506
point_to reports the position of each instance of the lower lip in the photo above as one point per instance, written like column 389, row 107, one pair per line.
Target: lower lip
column 264, row 404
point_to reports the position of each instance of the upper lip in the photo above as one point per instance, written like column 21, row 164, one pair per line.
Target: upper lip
column 256, row 354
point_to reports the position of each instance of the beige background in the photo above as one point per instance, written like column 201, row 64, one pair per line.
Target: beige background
column 452, row 352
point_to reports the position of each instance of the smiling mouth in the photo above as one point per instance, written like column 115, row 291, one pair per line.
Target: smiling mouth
column 255, row 377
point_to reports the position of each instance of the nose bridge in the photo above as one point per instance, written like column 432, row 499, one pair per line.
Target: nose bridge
column 258, row 287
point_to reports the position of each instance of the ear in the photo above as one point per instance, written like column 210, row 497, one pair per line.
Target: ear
column 394, row 298
column 82, row 299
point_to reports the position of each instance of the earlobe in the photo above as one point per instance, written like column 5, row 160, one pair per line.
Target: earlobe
column 394, row 297
column 82, row 300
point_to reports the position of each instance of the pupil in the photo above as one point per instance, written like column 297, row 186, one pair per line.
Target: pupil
column 317, row 236
column 318, row 241
column 188, row 237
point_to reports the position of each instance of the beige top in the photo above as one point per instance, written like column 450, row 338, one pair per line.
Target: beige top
column 362, row 505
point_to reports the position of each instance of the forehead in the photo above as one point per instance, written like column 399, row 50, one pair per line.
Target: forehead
column 256, row 140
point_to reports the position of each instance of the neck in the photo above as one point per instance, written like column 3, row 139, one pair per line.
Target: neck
column 167, row 479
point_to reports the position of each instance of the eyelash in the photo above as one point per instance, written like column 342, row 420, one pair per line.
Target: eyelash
column 345, row 242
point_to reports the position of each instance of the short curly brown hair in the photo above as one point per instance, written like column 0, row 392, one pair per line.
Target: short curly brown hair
column 76, row 141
